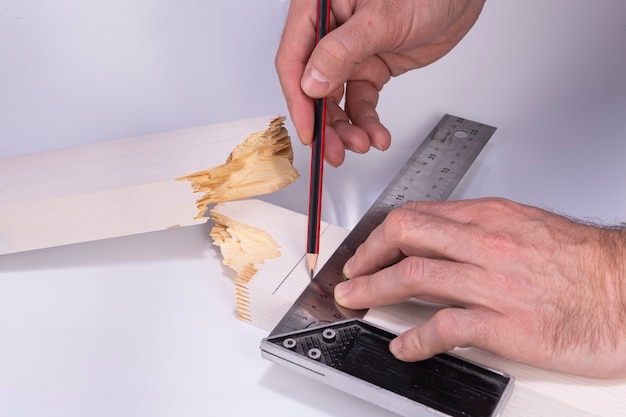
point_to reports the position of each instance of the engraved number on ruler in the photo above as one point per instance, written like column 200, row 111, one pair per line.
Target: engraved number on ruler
column 438, row 153
column 431, row 174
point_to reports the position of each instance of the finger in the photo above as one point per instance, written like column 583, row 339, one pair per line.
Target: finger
column 410, row 232
column 336, row 56
column 362, row 93
column 297, row 42
column 365, row 130
column 447, row 329
column 361, row 101
column 350, row 136
column 427, row 279
column 336, row 118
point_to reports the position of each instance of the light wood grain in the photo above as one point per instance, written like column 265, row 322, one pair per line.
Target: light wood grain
column 265, row 245
column 134, row 185
column 277, row 282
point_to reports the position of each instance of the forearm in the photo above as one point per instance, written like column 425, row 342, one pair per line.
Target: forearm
column 613, row 271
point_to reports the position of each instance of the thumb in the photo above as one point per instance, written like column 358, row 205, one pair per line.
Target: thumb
column 336, row 56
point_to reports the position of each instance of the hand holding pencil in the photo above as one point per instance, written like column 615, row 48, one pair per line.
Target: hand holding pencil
column 370, row 42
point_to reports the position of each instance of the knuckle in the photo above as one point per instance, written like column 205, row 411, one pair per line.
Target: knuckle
column 332, row 50
column 444, row 323
column 367, row 287
column 398, row 223
column 278, row 62
column 416, row 349
column 368, row 292
column 410, row 271
column 499, row 205
column 436, row 336
column 448, row 329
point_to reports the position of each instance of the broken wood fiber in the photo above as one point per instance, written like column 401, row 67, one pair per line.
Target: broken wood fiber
column 135, row 185
column 263, row 244
column 244, row 248
column 262, row 164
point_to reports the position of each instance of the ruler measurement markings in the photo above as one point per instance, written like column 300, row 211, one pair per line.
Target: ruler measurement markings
column 430, row 174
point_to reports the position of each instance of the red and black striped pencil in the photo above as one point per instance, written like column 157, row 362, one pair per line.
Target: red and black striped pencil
column 317, row 153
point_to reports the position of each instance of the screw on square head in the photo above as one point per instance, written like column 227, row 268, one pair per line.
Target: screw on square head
column 329, row 335
column 314, row 353
column 289, row 343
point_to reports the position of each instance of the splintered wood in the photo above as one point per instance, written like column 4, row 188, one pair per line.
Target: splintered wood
column 264, row 244
column 261, row 164
column 243, row 248
column 135, row 185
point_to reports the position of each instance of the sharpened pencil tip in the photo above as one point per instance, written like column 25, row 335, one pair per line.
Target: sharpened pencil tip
column 311, row 260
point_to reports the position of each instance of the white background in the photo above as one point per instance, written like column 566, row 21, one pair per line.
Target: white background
column 144, row 325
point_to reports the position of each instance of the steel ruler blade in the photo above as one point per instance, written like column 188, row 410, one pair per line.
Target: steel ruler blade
column 430, row 174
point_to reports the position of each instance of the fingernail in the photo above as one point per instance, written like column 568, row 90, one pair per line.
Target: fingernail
column 378, row 146
column 354, row 149
column 396, row 345
column 346, row 269
column 314, row 83
column 342, row 290
column 381, row 146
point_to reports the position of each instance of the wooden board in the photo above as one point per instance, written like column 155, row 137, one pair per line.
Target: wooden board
column 265, row 245
column 271, row 286
column 140, row 184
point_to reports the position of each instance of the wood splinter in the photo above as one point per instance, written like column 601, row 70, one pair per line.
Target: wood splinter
column 134, row 185
column 261, row 164
column 263, row 244
column 244, row 248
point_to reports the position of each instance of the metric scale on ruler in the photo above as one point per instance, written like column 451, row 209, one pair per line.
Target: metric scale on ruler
column 430, row 174
column 300, row 338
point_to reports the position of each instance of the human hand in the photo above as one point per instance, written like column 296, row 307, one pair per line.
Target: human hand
column 520, row 282
column 372, row 41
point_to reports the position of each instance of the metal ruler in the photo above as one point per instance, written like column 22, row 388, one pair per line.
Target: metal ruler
column 430, row 174
column 332, row 344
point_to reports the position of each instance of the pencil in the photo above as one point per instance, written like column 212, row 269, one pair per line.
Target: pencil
column 317, row 153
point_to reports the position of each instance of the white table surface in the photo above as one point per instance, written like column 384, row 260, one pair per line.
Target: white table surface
column 145, row 325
